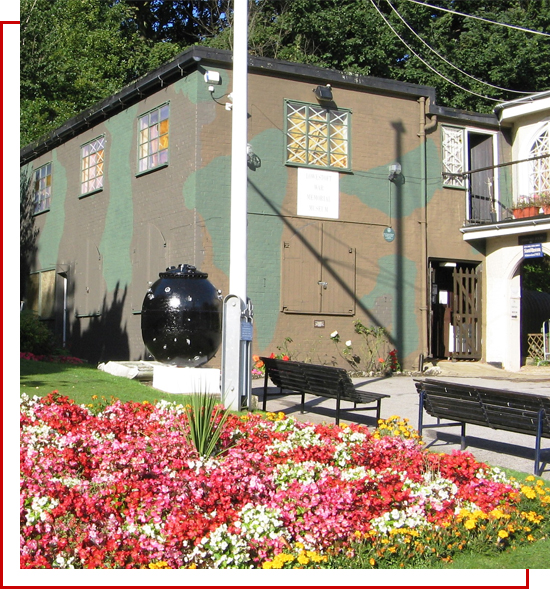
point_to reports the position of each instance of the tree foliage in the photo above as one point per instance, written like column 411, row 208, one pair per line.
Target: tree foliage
column 76, row 52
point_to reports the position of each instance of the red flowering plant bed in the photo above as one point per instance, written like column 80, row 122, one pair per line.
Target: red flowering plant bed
column 50, row 358
column 126, row 489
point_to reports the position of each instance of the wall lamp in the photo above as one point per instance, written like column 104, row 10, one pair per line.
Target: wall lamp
column 323, row 93
column 395, row 171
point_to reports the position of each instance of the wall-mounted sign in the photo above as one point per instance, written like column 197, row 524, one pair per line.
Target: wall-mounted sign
column 318, row 193
column 533, row 250
column 389, row 234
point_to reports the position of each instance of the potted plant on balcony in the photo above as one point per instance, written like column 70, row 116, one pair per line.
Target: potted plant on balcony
column 532, row 205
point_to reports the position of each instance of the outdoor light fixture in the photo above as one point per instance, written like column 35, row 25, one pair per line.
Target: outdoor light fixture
column 323, row 93
column 212, row 77
column 395, row 170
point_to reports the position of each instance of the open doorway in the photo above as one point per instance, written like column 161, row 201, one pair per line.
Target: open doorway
column 535, row 305
column 455, row 310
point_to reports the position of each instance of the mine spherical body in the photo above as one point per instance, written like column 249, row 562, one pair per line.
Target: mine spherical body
column 181, row 317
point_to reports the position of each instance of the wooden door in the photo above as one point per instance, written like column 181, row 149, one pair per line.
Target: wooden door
column 466, row 314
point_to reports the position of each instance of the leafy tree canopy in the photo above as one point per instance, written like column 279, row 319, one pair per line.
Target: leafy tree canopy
column 76, row 52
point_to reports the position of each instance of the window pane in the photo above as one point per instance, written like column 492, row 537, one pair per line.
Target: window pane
column 314, row 133
column 154, row 138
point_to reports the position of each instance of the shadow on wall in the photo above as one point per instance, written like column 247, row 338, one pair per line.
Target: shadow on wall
column 28, row 233
column 102, row 338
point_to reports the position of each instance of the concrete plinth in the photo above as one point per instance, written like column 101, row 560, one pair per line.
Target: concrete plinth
column 186, row 381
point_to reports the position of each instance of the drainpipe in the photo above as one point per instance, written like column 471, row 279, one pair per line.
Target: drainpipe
column 424, row 233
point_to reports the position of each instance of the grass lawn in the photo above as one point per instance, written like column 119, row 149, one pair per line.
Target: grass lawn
column 82, row 382
column 86, row 384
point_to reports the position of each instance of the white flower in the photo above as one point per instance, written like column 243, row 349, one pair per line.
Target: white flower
column 334, row 334
column 348, row 343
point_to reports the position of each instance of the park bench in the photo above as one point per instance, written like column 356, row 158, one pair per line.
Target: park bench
column 321, row 381
column 523, row 413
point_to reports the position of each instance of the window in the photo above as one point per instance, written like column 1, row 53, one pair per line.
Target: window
column 42, row 188
column 539, row 176
column 468, row 163
column 153, row 139
column 92, row 158
column 317, row 136
column 41, row 293
column 453, row 157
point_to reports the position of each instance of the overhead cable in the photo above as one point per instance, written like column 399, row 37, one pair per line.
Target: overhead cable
column 448, row 62
column 426, row 63
column 493, row 22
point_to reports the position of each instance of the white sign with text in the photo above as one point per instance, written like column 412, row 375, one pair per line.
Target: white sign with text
column 318, row 193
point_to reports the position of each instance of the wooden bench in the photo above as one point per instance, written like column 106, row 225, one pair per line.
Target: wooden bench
column 522, row 413
column 321, row 381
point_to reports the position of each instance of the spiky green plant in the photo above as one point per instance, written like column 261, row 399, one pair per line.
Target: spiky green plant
column 206, row 418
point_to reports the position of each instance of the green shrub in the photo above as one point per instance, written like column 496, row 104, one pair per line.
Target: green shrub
column 35, row 336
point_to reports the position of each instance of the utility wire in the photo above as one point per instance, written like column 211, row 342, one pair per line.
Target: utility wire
column 425, row 62
column 493, row 22
column 447, row 61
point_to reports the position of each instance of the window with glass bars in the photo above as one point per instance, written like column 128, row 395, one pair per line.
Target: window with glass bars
column 317, row 136
column 92, row 157
column 153, row 139
column 453, row 152
column 42, row 188
column 540, row 168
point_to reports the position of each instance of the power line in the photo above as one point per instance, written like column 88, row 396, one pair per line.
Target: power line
column 426, row 63
column 447, row 61
column 493, row 22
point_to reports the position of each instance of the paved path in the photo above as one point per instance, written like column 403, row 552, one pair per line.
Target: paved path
column 497, row 448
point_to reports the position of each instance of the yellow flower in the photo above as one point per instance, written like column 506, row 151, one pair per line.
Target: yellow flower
column 530, row 478
column 528, row 492
column 470, row 524
column 303, row 559
column 372, row 562
column 503, row 534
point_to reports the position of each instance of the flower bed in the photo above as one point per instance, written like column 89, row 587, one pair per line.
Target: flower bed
column 125, row 489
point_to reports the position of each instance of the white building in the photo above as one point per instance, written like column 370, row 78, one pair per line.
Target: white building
column 511, row 238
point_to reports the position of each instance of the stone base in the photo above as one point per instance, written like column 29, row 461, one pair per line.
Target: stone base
column 186, row 381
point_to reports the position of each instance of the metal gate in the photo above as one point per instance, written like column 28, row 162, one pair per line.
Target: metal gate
column 466, row 314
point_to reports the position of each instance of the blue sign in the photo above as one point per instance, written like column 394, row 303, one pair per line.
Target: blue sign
column 246, row 331
column 389, row 234
column 532, row 250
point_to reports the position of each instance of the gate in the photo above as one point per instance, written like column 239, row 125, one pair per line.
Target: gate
column 466, row 314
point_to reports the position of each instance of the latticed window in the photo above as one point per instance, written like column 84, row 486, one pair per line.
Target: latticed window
column 42, row 188
column 539, row 177
column 92, row 159
column 453, row 157
column 317, row 136
column 153, row 139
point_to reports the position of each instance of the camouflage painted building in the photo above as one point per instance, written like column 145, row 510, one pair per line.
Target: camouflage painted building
column 355, row 204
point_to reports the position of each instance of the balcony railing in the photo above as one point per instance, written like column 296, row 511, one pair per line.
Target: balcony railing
column 530, row 178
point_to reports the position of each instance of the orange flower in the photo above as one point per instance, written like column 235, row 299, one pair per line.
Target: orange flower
column 255, row 357
column 381, row 360
column 286, row 358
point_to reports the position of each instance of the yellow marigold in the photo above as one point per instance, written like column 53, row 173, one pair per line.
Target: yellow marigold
column 470, row 524
column 530, row 478
column 528, row 492
column 372, row 562
column 503, row 534
column 267, row 565
column 303, row 559
column 530, row 538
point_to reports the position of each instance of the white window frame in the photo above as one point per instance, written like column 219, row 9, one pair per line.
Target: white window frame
column 307, row 145
column 153, row 139
column 42, row 188
column 92, row 165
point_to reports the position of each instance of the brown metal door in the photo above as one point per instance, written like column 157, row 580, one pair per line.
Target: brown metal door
column 466, row 314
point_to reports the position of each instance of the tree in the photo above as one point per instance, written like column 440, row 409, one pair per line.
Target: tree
column 76, row 52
